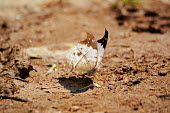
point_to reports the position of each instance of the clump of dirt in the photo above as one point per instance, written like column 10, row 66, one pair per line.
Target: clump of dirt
column 132, row 72
column 143, row 20
column 7, row 87
column 149, row 29
column 14, row 64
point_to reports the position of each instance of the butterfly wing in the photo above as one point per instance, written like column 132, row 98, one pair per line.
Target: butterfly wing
column 101, row 45
column 89, row 49
column 86, row 56
column 73, row 56
column 87, row 62
column 83, row 56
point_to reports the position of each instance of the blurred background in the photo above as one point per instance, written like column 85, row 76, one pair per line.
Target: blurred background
column 18, row 8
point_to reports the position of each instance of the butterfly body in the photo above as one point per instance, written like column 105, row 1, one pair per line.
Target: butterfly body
column 86, row 56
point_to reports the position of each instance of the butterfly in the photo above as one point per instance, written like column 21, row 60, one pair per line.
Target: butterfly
column 86, row 56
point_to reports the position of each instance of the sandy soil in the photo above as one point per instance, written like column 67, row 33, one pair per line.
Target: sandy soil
column 134, row 74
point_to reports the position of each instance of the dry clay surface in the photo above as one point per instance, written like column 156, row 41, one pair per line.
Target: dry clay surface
column 134, row 74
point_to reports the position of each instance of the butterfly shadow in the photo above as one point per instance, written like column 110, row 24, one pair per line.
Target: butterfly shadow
column 76, row 85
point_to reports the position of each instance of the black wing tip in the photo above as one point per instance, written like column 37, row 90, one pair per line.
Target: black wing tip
column 106, row 33
column 103, row 40
column 106, row 30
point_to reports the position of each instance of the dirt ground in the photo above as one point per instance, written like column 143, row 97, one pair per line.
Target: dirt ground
column 134, row 74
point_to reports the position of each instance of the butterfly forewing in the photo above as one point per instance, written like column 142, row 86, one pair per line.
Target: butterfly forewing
column 101, row 45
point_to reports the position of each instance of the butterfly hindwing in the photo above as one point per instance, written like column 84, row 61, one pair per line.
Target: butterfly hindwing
column 87, row 62
column 73, row 56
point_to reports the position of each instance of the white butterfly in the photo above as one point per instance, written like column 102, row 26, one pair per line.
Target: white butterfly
column 86, row 56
